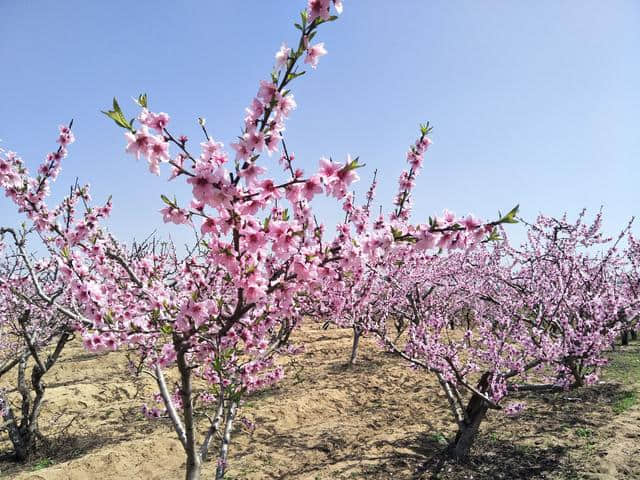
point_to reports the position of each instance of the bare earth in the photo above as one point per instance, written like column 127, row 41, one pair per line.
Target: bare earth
column 379, row 420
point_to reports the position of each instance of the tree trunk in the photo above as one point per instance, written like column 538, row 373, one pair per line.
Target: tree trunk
column 400, row 327
column 226, row 441
column 357, row 333
column 193, row 466
column 14, row 431
column 25, row 446
column 475, row 412
column 625, row 337
column 194, row 461
column 23, row 434
column 577, row 372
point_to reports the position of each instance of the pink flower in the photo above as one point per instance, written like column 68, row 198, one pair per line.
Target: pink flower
column 212, row 152
column 318, row 9
column 251, row 173
column 139, row 143
column 293, row 193
column 174, row 215
column 255, row 140
column 242, row 148
column 425, row 239
column 423, row 144
column 158, row 152
column 449, row 217
column 328, row 169
column 415, row 160
column 301, row 271
column 209, row 226
column 269, row 190
column 471, row 223
column 157, row 121
column 347, row 175
column 197, row 311
column 254, row 292
column 282, row 56
column 285, row 105
column 271, row 143
column 254, row 239
column 66, row 136
column 314, row 53
column 254, row 111
column 311, row 187
column 267, row 91
column 202, row 186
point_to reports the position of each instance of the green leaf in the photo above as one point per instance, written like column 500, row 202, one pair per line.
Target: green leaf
column 292, row 76
column 332, row 18
column 425, row 129
column 166, row 200
column 117, row 116
column 493, row 236
column 511, row 216
column 142, row 100
column 167, row 329
column 285, row 214
column 354, row 164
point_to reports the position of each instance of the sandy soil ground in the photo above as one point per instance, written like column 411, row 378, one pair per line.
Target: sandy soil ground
column 379, row 420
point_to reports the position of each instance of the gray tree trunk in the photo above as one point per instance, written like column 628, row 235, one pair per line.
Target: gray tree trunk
column 474, row 414
column 357, row 333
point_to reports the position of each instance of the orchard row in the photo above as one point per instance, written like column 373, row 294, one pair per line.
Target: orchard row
column 450, row 296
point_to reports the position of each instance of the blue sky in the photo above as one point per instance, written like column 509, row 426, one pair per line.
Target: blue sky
column 533, row 102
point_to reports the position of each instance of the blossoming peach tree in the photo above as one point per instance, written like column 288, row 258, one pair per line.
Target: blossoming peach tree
column 399, row 279
column 485, row 318
column 362, row 291
column 568, row 276
column 231, row 307
column 36, row 315
column 630, row 284
column 489, row 320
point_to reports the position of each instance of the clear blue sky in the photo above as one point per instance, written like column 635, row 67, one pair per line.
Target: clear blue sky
column 533, row 102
